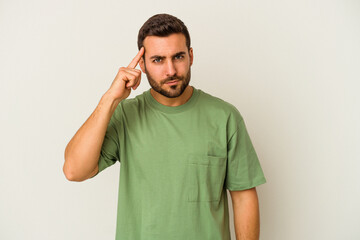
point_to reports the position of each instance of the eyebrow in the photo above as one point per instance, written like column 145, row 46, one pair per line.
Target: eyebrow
column 176, row 54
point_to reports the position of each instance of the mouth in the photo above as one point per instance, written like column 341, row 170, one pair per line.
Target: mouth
column 172, row 82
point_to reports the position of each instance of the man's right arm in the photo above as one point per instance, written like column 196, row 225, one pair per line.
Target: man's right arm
column 83, row 151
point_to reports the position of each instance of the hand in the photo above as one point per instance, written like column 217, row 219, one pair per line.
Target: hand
column 127, row 78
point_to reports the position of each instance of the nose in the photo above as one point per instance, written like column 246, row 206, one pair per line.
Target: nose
column 170, row 69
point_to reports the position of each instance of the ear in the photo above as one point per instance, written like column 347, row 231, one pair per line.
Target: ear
column 191, row 54
column 141, row 64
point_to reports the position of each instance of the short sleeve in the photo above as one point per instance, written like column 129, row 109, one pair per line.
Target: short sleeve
column 243, row 166
column 109, row 153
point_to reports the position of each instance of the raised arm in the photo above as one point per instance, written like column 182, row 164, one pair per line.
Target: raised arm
column 83, row 151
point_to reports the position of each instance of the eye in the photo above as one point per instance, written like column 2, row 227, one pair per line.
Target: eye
column 179, row 56
column 156, row 60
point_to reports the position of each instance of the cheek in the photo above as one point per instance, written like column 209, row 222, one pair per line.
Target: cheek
column 183, row 68
column 154, row 71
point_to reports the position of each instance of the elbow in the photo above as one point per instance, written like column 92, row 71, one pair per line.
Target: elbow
column 70, row 177
column 69, row 170
column 75, row 170
column 70, row 174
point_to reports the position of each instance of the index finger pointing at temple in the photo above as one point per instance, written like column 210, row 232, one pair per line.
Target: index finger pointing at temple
column 137, row 58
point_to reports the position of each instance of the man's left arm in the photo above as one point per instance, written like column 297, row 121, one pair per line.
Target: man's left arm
column 246, row 214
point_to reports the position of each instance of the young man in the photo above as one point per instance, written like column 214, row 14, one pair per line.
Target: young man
column 179, row 147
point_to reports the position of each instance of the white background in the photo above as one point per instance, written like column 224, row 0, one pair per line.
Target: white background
column 290, row 67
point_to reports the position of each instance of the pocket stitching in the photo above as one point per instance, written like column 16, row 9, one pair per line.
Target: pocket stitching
column 204, row 161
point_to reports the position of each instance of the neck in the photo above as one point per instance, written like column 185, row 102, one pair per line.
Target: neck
column 173, row 102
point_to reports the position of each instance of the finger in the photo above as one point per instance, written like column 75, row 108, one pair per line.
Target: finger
column 130, row 79
column 137, row 58
column 138, row 83
column 130, row 72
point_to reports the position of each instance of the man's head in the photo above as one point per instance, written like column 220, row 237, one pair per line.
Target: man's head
column 168, row 55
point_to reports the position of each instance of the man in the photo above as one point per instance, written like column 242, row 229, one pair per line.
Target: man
column 179, row 147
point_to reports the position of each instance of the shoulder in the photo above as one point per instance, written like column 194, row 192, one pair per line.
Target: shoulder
column 220, row 106
column 127, row 107
column 131, row 104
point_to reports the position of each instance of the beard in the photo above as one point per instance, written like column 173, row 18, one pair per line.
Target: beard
column 175, row 90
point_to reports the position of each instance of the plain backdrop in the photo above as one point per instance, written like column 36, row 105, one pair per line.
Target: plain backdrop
column 290, row 67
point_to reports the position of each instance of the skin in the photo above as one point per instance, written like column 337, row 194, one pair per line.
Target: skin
column 168, row 59
column 246, row 214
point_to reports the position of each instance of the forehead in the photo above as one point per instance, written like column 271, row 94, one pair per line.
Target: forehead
column 165, row 46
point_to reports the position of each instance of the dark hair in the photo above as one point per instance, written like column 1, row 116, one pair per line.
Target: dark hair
column 162, row 25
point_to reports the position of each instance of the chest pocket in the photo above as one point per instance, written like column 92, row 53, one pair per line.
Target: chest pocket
column 206, row 176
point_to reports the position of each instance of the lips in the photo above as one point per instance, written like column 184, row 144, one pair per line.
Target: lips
column 172, row 82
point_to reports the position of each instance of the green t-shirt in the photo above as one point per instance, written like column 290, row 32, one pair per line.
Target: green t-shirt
column 175, row 166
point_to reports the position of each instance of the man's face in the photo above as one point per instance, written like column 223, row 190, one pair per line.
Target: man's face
column 167, row 59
